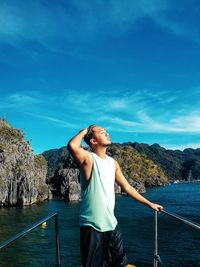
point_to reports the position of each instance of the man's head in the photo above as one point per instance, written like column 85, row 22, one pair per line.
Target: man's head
column 97, row 135
column 89, row 134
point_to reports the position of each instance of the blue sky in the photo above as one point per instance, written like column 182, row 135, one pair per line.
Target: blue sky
column 132, row 67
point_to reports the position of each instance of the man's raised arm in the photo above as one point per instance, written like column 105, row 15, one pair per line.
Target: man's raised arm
column 74, row 145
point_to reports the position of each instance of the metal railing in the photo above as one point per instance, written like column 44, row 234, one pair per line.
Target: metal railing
column 180, row 218
column 31, row 228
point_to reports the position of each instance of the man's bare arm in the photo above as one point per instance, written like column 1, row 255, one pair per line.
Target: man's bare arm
column 74, row 145
column 132, row 192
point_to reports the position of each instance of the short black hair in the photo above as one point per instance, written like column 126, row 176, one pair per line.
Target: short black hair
column 89, row 135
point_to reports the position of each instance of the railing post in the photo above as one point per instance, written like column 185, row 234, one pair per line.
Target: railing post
column 58, row 264
column 156, row 239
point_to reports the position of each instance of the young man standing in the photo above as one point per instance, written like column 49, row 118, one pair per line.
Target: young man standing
column 100, row 238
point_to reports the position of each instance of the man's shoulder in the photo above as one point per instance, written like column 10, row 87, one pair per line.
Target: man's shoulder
column 111, row 159
column 89, row 155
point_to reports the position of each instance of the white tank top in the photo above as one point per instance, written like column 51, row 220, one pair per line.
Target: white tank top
column 98, row 199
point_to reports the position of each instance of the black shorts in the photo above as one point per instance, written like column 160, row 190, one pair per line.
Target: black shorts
column 101, row 249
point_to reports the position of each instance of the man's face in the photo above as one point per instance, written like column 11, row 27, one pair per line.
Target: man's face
column 101, row 136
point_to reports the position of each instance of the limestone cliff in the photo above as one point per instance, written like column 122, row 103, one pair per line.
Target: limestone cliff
column 22, row 174
column 63, row 172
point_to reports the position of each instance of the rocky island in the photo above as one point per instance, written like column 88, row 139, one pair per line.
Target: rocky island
column 22, row 174
column 26, row 178
column 63, row 172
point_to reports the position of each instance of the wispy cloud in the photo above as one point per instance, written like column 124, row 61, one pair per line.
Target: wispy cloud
column 189, row 123
column 118, row 104
column 24, row 99
column 181, row 147
column 57, row 122
column 140, row 111
column 118, row 121
column 18, row 100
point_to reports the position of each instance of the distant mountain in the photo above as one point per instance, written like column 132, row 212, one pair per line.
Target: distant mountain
column 26, row 178
column 63, row 172
column 177, row 165
column 137, row 167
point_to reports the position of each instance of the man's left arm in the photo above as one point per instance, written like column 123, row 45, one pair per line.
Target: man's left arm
column 131, row 191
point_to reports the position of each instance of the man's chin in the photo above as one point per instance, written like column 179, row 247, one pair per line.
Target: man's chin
column 109, row 143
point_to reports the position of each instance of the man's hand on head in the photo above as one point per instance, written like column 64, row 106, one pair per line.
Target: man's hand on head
column 84, row 131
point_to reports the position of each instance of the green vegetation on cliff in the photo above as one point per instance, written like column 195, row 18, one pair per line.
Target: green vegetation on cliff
column 40, row 161
column 137, row 167
column 9, row 134
column 177, row 165
column 22, row 175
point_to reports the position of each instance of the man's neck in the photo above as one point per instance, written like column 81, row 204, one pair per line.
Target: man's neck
column 100, row 151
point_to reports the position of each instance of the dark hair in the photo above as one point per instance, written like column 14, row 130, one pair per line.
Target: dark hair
column 89, row 134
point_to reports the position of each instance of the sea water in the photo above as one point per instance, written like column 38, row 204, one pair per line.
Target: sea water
column 178, row 244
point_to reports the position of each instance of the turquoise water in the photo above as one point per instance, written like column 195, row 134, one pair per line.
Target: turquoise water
column 179, row 245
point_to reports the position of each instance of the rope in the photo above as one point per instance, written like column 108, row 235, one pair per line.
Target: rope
column 157, row 257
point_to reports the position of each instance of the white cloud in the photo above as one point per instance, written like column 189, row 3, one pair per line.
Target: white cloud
column 118, row 121
column 181, row 147
column 189, row 122
column 79, row 101
column 130, row 112
column 18, row 100
column 58, row 122
column 118, row 104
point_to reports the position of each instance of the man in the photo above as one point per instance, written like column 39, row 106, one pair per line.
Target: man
column 100, row 238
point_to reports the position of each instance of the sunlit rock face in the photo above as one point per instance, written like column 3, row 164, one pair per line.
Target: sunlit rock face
column 22, row 174
column 63, row 171
column 63, row 174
